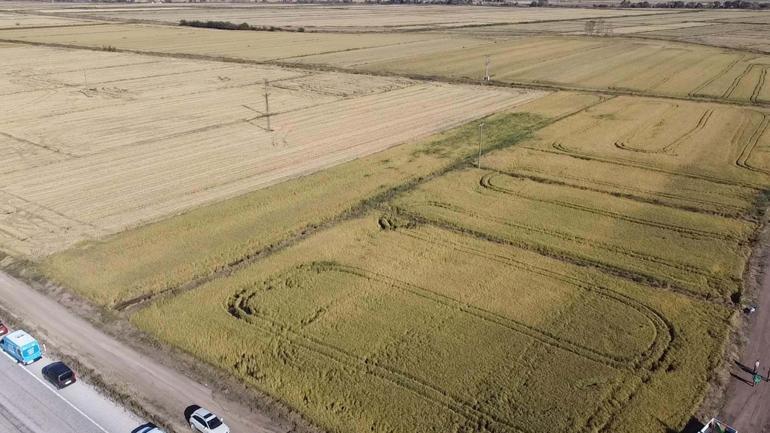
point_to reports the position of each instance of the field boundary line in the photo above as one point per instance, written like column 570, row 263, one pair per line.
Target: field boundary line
column 422, row 77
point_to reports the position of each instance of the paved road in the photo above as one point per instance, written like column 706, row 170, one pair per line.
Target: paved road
column 748, row 407
column 28, row 404
column 159, row 388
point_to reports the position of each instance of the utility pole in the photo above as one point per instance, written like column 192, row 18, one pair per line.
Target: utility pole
column 481, row 138
column 267, row 106
column 85, row 78
column 487, row 62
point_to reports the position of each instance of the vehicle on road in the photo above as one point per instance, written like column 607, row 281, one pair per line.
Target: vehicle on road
column 59, row 374
column 3, row 329
column 206, row 422
column 147, row 428
column 22, row 347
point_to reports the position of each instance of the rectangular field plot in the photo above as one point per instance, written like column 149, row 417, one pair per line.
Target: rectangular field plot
column 140, row 137
column 646, row 184
column 702, row 253
column 742, row 36
column 21, row 21
column 215, row 43
column 403, row 329
column 654, row 67
column 700, row 141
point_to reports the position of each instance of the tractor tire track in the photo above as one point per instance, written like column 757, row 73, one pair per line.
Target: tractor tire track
column 487, row 181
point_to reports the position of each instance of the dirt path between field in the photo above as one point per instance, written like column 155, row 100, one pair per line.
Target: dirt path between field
column 747, row 407
column 161, row 390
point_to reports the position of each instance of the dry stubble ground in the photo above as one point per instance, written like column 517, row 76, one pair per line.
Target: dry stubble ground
column 149, row 137
column 632, row 65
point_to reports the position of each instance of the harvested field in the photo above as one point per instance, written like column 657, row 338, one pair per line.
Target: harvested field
column 23, row 21
column 259, row 46
column 631, row 65
column 148, row 138
column 344, row 18
column 421, row 329
column 741, row 35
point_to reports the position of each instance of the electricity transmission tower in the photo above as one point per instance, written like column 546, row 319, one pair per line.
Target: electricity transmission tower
column 267, row 106
column 487, row 62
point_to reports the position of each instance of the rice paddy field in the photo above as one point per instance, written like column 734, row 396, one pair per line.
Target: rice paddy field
column 402, row 250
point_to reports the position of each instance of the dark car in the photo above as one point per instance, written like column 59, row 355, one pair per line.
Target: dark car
column 59, row 374
column 3, row 329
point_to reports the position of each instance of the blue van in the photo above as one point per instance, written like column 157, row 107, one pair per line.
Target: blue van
column 22, row 347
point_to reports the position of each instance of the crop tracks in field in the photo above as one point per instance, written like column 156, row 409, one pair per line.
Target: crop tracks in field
column 702, row 122
column 627, row 192
column 487, row 181
column 239, row 307
column 609, row 269
column 718, row 75
column 751, row 144
column 760, row 84
column 561, row 253
column 560, row 149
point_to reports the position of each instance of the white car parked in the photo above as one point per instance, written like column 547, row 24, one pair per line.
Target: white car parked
column 204, row 421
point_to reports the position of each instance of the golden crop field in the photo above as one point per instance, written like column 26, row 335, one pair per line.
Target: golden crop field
column 403, row 249
column 149, row 137
column 423, row 329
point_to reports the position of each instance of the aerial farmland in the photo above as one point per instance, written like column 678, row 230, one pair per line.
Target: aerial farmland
column 402, row 218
